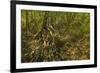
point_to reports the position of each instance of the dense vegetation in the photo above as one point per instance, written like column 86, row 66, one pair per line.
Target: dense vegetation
column 54, row 36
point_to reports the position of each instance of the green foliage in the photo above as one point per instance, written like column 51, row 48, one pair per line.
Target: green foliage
column 54, row 36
